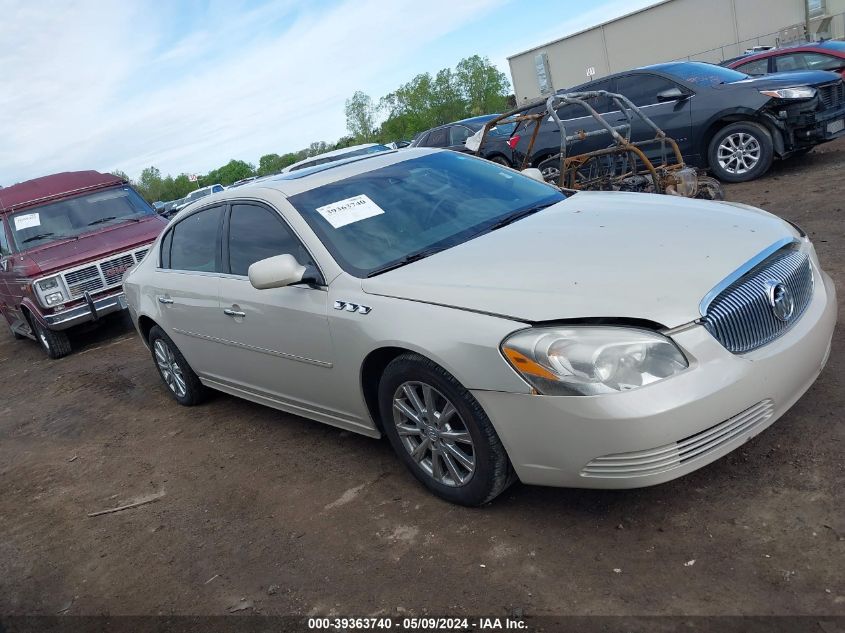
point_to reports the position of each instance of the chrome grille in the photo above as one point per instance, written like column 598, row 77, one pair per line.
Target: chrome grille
column 669, row 456
column 832, row 95
column 101, row 275
column 113, row 269
column 741, row 317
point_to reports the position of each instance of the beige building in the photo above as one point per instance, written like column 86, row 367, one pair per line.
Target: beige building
column 709, row 30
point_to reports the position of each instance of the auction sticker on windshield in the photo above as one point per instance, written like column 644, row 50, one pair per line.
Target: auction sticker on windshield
column 350, row 210
column 27, row 221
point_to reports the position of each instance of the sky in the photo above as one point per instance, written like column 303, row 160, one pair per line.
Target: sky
column 187, row 85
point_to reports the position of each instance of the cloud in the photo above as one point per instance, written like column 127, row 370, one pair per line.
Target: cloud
column 153, row 83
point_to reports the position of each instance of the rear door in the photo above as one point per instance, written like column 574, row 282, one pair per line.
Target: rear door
column 189, row 286
column 280, row 345
column 576, row 119
column 673, row 117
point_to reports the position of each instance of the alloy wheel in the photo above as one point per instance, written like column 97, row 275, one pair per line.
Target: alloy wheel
column 739, row 153
column 434, row 434
column 169, row 368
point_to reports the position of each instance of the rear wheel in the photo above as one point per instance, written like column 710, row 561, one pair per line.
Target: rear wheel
column 441, row 433
column 182, row 383
column 55, row 344
column 500, row 160
column 740, row 152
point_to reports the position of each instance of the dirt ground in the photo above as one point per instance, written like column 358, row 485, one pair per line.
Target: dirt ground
column 269, row 513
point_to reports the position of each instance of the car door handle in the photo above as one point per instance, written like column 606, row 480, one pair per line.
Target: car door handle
column 234, row 313
column 165, row 300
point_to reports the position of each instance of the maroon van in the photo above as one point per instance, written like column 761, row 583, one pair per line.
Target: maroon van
column 65, row 242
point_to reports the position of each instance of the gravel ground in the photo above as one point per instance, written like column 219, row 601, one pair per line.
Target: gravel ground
column 270, row 513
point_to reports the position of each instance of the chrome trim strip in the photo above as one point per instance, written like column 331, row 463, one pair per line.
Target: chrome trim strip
column 252, row 348
column 739, row 272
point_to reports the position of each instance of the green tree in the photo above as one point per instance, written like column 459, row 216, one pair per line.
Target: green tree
column 485, row 88
column 361, row 117
column 121, row 174
column 149, row 185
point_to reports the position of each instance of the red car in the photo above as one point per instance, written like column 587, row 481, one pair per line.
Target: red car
column 829, row 55
column 66, row 241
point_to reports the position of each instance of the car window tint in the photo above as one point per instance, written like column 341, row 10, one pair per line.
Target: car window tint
column 808, row 61
column 643, row 89
column 438, row 138
column 194, row 241
column 4, row 240
column 757, row 67
column 602, row 105
column 458, row 134
column 256, row 233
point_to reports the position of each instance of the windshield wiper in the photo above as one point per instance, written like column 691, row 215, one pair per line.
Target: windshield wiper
column 518, row 215
column 101, row 220
column 39, row 236
column 408, row 259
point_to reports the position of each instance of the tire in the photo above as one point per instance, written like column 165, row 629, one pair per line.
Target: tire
column 467, row 432
column 740, row 152
column 500, row 160
column 181, row 381
column 54, row 343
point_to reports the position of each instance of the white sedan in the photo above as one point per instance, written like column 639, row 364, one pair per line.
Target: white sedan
column 491, row 327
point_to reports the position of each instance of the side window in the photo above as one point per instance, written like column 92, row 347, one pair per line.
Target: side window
column 422, row 140
column 256, row 233
column 438, row 138
column 4, row 240
column 642, row 90
column 217, row 189
column 793, row 61
column 194, row 241
column 458, row 134
column 755, row 68
column 820, row 61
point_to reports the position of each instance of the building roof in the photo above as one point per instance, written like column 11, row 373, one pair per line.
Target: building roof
column 589, row 28
column 51, row 187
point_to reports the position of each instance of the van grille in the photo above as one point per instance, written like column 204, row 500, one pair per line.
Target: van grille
column 670, row 456
column 101, row 275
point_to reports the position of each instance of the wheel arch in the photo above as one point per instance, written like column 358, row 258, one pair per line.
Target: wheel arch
column 372, row 370
column 145, row 324
column 724, row 119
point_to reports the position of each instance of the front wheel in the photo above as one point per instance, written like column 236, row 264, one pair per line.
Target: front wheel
column 740, row 152
column 441, row 433
column 55, row 344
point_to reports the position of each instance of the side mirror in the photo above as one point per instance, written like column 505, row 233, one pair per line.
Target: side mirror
column 533, row 172
column 671, row 94
column 275, row 272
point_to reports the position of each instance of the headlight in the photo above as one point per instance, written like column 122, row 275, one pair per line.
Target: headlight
column 48, row 284
column 591, row 360
column 801, row 92
column 50, row 291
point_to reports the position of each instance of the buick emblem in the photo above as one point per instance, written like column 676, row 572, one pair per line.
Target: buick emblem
column 780, row 300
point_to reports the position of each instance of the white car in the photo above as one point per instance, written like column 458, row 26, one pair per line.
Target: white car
column 492, row 327
column 338, row 154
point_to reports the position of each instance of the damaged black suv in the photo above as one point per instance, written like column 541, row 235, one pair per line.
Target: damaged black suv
column 722, row 119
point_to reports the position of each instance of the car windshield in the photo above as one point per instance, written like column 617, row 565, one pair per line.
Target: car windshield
column 73, row 217
column 196, row 195
column 381, row 218
column 702, row 74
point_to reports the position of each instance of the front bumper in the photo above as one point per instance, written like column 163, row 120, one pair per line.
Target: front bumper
column 665, row 430
column 89, row 311
column 825, row 126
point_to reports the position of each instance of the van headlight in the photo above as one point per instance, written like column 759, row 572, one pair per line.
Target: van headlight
column 50, row 291
column 592, row 360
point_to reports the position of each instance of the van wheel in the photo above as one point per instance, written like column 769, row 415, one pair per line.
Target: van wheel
column 182, row 383
column 740, row 152
column 55, row 344
column 441, row 433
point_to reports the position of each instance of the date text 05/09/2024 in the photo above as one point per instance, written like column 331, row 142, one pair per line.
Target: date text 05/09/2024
column 417, row 624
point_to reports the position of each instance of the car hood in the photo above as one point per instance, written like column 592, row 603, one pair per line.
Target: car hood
column 91, row 246
column 617, row 255
column 788, row 79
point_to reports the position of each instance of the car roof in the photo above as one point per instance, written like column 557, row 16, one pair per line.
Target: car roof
column 334, row 152
column 835, row 46
column 53, row 187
